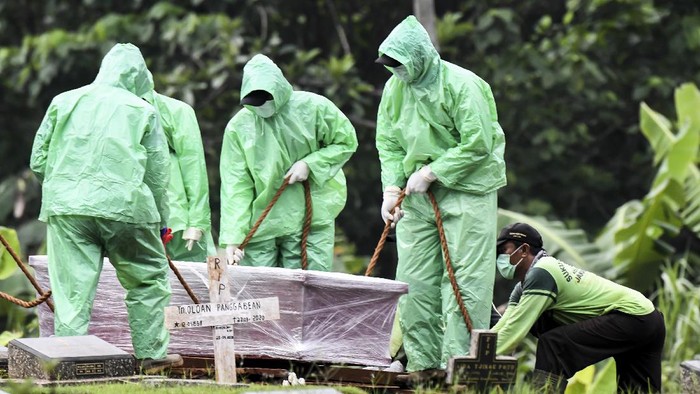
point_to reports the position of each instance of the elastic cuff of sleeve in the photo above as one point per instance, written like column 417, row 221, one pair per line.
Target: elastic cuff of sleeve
column 428, row 174
column 192, row 233
column 392, row 191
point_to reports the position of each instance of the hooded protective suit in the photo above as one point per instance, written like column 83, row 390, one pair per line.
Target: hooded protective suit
column 102, row 157
column 434, row 113
column 257, row 152
column 188, row 190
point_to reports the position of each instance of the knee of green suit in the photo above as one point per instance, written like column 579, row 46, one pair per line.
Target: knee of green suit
column 422, row 336
column 147, row 320
column 260, row 254
column 320, row 248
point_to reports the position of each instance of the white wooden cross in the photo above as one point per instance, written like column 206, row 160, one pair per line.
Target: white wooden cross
column 222, row 313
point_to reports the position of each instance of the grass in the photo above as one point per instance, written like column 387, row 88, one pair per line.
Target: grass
column 679, row 300
column 144, row 388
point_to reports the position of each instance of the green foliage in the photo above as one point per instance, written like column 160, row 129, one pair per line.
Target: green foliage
column 679, row 301
column 7, row 336
column 634, row 237
column 560, row 72
column 570, row 245
column 595, row 379
column 567, row 77
column 345, row 258
column 7, row 262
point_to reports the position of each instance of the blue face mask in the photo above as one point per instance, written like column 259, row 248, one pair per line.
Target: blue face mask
column 504, row 266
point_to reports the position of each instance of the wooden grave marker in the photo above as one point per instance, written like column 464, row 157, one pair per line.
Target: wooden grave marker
column 482, row 368
column 221, row 314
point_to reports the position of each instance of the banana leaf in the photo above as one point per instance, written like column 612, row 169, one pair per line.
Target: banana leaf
column 569, row 245
column 636, row 238
column 7, row 262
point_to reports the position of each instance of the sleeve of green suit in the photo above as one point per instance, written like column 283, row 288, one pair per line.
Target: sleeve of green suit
column 391, row 154
column 473, row 121
column 338, row 142
column 187, row 143
column 157, row 167
column 40, row 149
column 237, row 192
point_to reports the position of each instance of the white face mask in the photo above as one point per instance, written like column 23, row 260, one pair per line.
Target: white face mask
column 401, row 72
column 264, row 111
column 505, row 267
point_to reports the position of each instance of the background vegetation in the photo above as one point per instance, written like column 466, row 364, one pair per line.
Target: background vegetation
column 596, row 97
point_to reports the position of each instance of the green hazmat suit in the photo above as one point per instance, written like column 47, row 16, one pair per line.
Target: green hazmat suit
column 256, row 154
column 102, row 157
column 188, row 190
column 443, row 116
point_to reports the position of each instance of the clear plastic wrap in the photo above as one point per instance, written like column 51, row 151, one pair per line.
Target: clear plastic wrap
column 324, row 316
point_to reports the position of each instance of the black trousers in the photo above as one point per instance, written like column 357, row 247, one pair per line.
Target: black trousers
column 635, row 342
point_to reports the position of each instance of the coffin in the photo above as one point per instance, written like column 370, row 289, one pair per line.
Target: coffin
column 324, row 316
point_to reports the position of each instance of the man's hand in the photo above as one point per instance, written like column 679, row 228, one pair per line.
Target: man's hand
column 391, row 197
column 298, row 173
column 192, row 235
column 420, row 181
column 234, row 255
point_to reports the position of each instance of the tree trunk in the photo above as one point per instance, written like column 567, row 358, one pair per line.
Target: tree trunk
column 425, row 12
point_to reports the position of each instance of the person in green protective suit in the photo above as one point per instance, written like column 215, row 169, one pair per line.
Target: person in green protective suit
column 437, row 130
column 102, row 158
column 188, row 190
column 282, row 133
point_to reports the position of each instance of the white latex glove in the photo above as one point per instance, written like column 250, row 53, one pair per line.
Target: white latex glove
column 191, row 235
column 391, row 197
column 298, row 173
column 234, row 255
column 420, row 181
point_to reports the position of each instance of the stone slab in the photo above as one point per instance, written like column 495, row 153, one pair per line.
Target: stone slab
column 690, row 377
column 61, row 358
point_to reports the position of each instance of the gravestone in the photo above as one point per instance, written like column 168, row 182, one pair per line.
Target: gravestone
column 482, row 368
column 222, row 313
column 690, row 377
column 61, row 358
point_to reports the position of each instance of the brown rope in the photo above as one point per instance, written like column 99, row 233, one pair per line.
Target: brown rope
column 448, row 262
column 382, row 238
column 304, row 235
column 307, row 225
column 44, row 296
column 187, row 287
column 268, row 208
column 26, row 304
column 445, row 251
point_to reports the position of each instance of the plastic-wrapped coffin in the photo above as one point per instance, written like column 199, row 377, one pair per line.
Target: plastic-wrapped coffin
column 324, row 316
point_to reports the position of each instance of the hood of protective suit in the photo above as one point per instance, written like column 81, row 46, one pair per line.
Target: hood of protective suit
column 410, row 44
column 150, row 94
column 261, row 73
column 124, row 67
